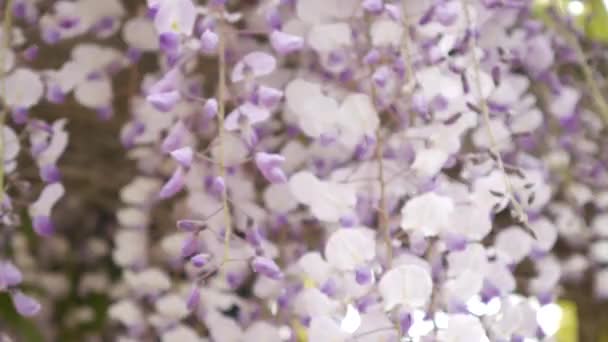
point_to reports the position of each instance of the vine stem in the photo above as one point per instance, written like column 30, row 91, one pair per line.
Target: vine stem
column 220, row 120
column 485, row 111
column 405, row 47
column 6, row 41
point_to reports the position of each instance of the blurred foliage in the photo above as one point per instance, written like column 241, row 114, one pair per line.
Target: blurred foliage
column 25, row 328
column 568, row 331
column 593, row 20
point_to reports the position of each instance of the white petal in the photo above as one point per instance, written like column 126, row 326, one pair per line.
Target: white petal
column 298, row 93
column 24, row 89
column 513, row 244
column 126, row 312
column 428, row 213
column 348, row 248
column 563, row 106
column 429, row 161
column 466, row 285
column 48, row 197
column 472, row 258
column 303, row 186
column 545, row 233
column 11, row 144
column 357, row 118
column 323, row 328
column 94, row 94
column 181, row 333
column 262, row 331
column 409, row 285
column 140, row 33
column 278, row 198
column 462, row 327
column 319, row 116
column 315, row 267
column 313, row 302
column 386, row 32
column 172, row 306
column 329, row 37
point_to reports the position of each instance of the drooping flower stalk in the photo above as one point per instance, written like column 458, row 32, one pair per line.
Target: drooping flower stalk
column 485, row 112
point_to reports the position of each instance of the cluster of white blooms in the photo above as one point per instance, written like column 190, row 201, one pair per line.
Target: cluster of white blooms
column 338, row 170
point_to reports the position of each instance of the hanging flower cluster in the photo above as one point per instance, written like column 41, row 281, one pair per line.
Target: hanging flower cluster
column 307, row 170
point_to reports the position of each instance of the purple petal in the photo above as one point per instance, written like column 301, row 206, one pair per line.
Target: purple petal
column 269, row 97
column 194, row 298
column 245, row 115
column 200, row 260
column 273, row 19
column 209, row 41
column 183, row 156
column 372, row 57
column 55, row 94
column 51, row 35
column 276, row 176
column 268, row 164
column 218, row 186
column 190, row 225
column 190, row 246
column 210, row 108
column 168, row 41
column 255, row 237
column 25, row 305
column 285, row 43
column 164, row 102
column 174, row 185
column 266, row 267
column 9, row 275
column 405, row 321
column 105, row 113
column 374, row 6
column 19, row 115
column 50, row 173
column 363, row 275
column 174, row 139
column 268, row 160
column 167, row 83
column 446, row 13
column 43, row 226
column 255, row 64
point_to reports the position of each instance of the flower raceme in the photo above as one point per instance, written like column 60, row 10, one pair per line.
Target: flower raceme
column 337, row 170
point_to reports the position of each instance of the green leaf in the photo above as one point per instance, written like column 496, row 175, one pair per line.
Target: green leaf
column 24, row 328
column 597, row 28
